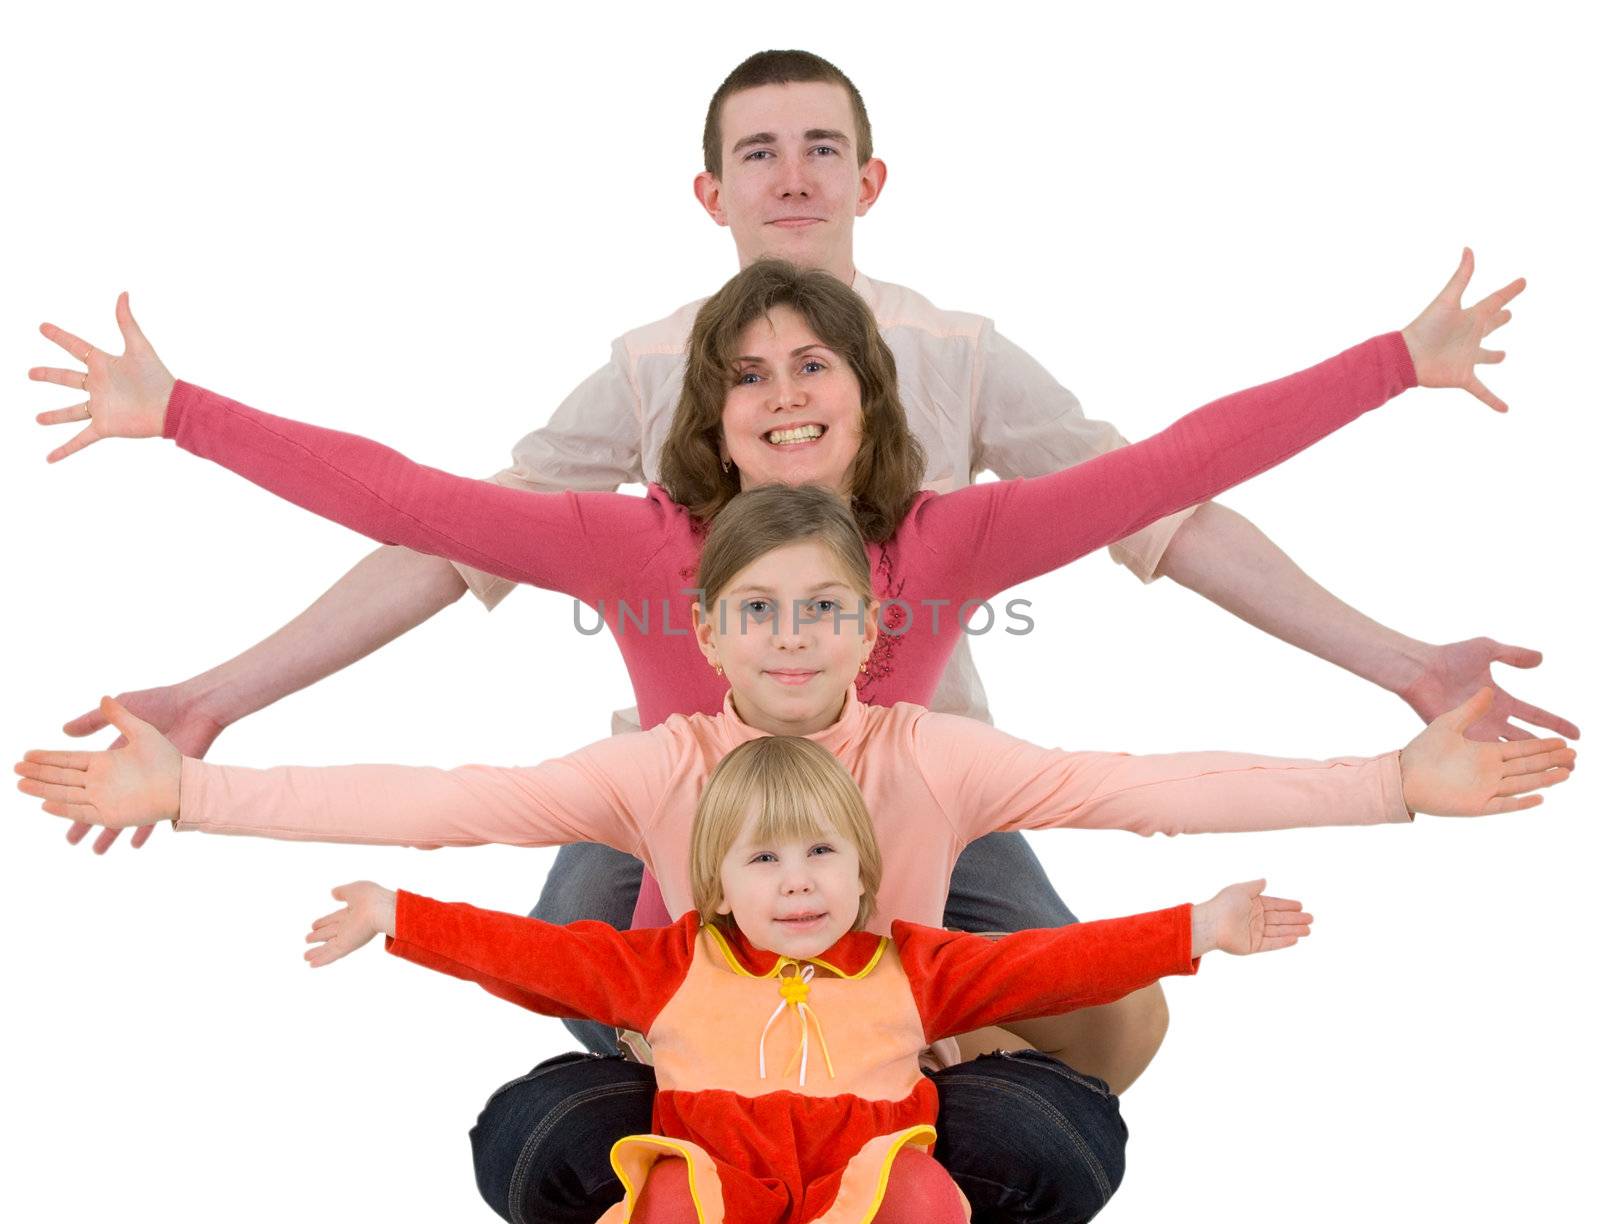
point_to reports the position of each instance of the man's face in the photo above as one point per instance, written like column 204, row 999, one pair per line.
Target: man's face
column 790, row 187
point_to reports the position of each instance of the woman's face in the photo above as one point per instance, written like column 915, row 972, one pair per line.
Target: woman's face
column 790, row 632
column 793, row 414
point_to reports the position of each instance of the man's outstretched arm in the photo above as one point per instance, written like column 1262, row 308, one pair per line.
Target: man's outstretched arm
column 1221, row 555
column 388, row 593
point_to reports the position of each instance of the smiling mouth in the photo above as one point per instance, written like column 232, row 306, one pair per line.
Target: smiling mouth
column 793, row 435
column 796, row 677
column 802, row 919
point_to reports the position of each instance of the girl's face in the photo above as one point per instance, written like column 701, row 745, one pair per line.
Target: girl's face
column 795, row 898
column 793, row 414
column 791, row 633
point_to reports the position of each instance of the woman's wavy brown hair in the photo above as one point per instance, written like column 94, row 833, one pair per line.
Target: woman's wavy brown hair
column 888, row 469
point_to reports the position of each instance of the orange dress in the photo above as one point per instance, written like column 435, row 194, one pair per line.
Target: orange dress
column 788, row 1086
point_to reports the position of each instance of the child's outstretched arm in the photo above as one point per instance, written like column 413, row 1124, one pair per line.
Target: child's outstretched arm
column 1241, row 921
column 368, row 910
column 964, row 982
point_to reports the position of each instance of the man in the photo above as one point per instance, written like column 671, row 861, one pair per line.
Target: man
column 788, row 169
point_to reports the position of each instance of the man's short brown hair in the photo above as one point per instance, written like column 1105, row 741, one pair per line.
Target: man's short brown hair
column 781, row 68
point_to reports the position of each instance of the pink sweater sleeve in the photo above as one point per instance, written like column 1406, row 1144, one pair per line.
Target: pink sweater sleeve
column 590, row 545
column 603, row 793
column 986, row 538
column 987, row 781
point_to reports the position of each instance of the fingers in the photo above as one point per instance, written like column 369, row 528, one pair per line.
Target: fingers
column 1476, row 387
column 79, row 348
column 86, row 723
column 118, row 715
column 1543, row 718
column 1561, row 758
column 64, row 416
column 53, row 791
column 75, row 444
column 78, row 832
column 61, row 760
column 1468, row 712
column 1457, row 284
column 1530, row 747
column 1488, row 357
column 132, row 336
column 76, row 379
column 83, row 813
column 53, row 774
column 107, row 839
column 1495, row 806
column 1521, row 784
column 140, row 836
column 1279, row 904
column 1517, row 656
column 1276, row 942
column 1496, row 301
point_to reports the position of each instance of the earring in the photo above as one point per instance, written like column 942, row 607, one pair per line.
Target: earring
column 863, row 665
column 717, row 667
column 727, row 466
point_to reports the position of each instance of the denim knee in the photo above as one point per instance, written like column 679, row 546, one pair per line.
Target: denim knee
column 1027, row 1138
column 999, row 885
column 541, row 1148
column 591, row 881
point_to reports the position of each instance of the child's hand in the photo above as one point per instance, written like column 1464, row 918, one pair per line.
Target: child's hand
column 136, row 784
column 127, row 394
column 1241, row 921
column 1443, row 773
column 1446, row 339
column 368, row 911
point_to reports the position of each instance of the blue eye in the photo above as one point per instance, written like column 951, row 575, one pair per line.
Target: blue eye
column 755, row 153
column 756, row 609
column 746, row 377
column 812, row 365
column 765, row 856
column 823, row 849
column 826, row 149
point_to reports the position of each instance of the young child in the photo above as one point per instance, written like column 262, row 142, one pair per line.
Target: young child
column 786, row 1037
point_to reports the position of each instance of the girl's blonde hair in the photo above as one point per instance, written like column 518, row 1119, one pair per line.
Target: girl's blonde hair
column 794, row 789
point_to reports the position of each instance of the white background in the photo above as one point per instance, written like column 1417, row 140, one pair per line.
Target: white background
column 427, row 229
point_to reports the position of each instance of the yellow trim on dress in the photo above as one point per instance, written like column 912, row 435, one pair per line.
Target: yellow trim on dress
column 905, row 1137
column 782, row 961
column 630, row 1195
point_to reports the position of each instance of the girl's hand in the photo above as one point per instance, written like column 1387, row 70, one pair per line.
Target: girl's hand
column 171, row 710
column 368, row 911
column 1241, row 921
column 1443, row 773
column 127, row 394
column 1446, row 339
column 136, row 784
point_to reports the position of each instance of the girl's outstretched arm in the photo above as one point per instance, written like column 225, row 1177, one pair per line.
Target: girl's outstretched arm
column 133, row 784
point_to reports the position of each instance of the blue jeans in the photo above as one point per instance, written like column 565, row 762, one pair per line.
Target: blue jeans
column 1026, row 1137
column 998, row 885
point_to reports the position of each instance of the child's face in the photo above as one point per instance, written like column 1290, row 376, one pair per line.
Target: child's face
column 790, row 632
column 796, row 898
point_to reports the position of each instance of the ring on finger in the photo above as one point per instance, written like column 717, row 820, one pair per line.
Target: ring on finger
column 85, row 377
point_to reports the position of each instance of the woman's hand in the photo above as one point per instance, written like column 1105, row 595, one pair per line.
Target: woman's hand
column 136, row 784
column 127, row 394
column 368, row 911
column 1443, row 773
column 1241, row 921
column 1446, row 339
